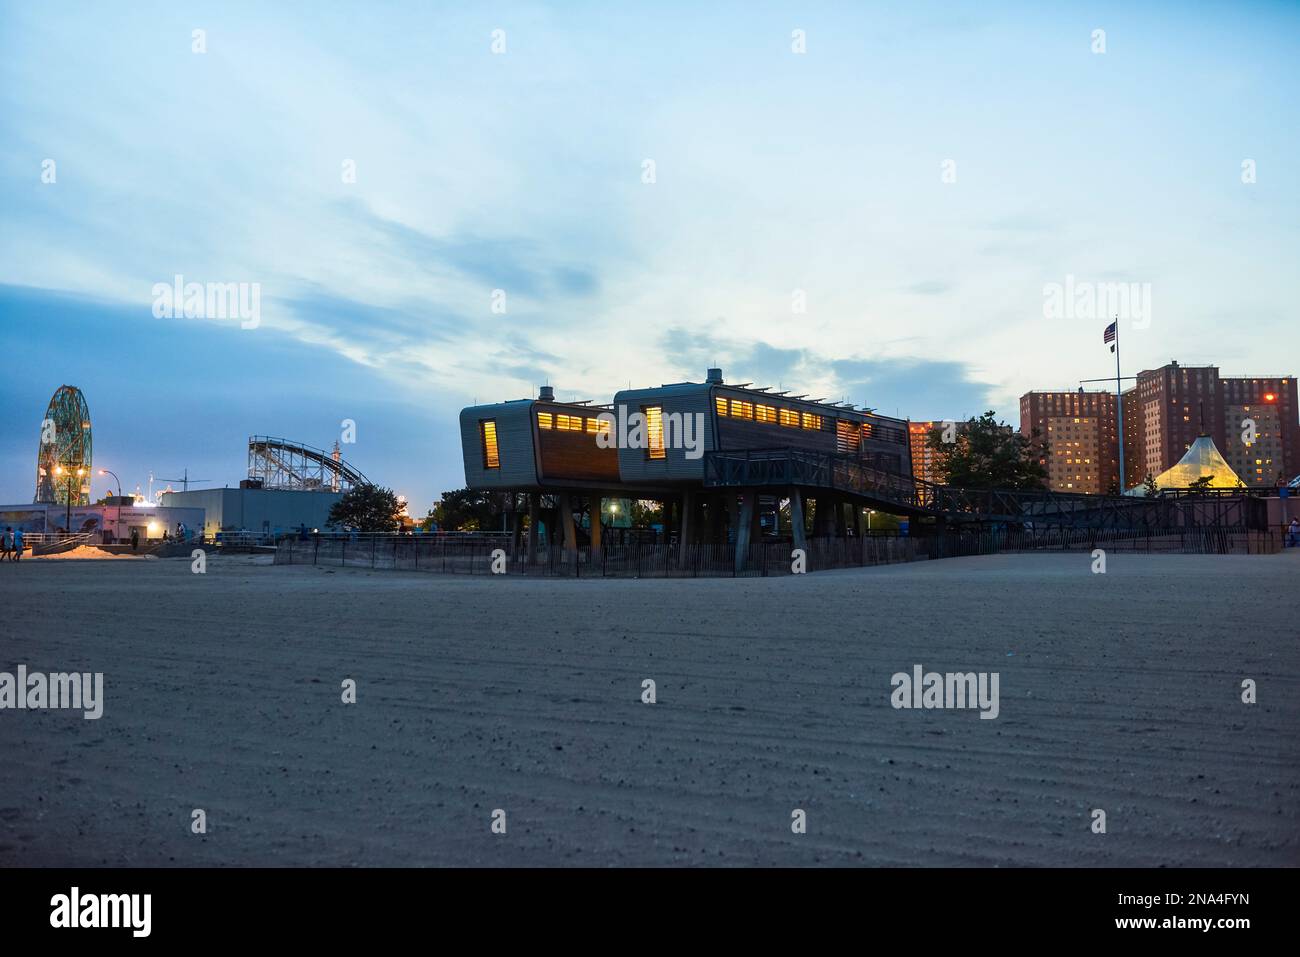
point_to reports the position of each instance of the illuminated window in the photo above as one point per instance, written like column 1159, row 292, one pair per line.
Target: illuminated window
column 721, row 405
column 742, row 410
column 592, row 426
column 488, row 432
column 765, row 413
column 789, row 417
column 847, row 436
column 811, row 421
column 545, row 420
column 603, row 426
column 654, row 421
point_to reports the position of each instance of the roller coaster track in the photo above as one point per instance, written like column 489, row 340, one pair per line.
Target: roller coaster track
column 283, row 464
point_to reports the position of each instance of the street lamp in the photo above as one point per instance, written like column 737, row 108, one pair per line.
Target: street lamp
column 118, row 480
column 60, row 470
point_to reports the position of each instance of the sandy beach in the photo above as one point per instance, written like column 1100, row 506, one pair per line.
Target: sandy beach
column 1119, row 692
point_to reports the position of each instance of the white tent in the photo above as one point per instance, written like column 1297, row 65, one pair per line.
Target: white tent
column 1201, row 460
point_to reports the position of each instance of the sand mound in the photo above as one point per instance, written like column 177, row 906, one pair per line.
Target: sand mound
column 89, row 551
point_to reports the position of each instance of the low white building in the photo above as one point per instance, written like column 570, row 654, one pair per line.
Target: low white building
column 104, row 523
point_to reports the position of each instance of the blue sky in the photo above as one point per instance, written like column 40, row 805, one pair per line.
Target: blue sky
column 523, row 171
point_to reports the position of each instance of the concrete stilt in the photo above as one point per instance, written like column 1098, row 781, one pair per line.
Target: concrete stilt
column 533, row 519
column 744, row 527
column 797, row 532
column 840, row 530
column 733, row 516
column 566, row 519
column 595, row 511
column 689, row 525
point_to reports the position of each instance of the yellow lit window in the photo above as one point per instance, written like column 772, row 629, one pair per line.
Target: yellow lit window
column 592, row 425
column 811, row 421
column 742, row 410
column 654, row 420
column 545, row 420
column 721, row 405
column 491, row 457
column 790, row 417
column 764, row 413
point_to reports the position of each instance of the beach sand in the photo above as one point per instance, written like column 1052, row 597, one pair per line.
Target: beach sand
column 1119, row 691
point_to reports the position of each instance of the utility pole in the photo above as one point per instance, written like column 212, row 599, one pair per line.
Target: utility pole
column 1119, row 398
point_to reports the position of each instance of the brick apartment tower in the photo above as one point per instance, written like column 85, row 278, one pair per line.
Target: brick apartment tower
column 1270, row 402
column 1081, row 434
column 1170, row 406
column 1164, row 412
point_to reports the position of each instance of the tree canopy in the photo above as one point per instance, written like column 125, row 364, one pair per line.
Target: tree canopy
column 367, row 508
column 985, row 453
column 465, row 510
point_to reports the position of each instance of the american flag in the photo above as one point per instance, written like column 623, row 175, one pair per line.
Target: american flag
column 1109, row 335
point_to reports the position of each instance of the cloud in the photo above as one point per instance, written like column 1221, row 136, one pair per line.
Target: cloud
column 911, row 386
column 920, row 388
column 518, row 265
column 930, row 287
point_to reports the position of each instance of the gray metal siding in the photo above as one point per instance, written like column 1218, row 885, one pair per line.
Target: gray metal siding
column 635, row 466
column 233, row 509
column 515, row 445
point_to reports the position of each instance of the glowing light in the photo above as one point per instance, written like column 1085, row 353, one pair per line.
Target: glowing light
column 1269, row 397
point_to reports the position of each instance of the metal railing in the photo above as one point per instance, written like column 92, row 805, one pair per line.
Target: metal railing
column 673, row 560
column 756, row 468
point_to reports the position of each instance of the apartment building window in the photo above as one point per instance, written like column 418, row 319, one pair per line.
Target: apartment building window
column 488, row 435
column 654, row 420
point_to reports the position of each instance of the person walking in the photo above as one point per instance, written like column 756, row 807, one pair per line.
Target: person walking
column 5, row 537
column 135, row 539
column 18, row 544
column 1293, row 536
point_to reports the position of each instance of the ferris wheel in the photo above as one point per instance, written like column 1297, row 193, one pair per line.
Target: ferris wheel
column 63, row 458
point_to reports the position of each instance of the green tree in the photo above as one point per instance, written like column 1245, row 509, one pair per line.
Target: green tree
column 1149, row 483
column 646, row 513
column 366, row 508
column 1202, row 484
column 466, row 510
column 986, row 453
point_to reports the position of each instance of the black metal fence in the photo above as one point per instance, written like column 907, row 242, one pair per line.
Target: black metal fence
column 634, row 560
column 496, row 555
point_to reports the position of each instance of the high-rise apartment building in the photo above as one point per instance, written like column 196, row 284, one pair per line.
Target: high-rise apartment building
column 1261, row 431
column 1082, row 437
column 1252, row 419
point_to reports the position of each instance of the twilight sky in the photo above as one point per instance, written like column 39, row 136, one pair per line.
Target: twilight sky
column 524, row 171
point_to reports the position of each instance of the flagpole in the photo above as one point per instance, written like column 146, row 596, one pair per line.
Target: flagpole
column 1119, row 397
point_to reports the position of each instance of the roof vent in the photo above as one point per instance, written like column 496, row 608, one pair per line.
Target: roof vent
column 547, row 394
column 714, row 377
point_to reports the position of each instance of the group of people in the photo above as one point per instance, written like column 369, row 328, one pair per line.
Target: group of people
column 11, row 544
